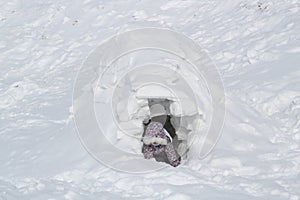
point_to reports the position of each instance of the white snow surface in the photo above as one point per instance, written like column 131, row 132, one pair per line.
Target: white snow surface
column 255, row 45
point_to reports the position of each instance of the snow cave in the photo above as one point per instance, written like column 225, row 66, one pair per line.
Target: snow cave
column 127, row 74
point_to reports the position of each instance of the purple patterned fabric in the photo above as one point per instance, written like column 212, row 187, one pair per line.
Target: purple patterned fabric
column 155, row 130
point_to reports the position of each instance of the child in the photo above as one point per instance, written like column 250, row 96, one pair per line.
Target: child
column 157, row 142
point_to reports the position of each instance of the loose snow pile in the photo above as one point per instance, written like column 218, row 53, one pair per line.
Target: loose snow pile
column 255, row 45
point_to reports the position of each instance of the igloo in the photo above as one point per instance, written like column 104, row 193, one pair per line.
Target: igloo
column 123, row 76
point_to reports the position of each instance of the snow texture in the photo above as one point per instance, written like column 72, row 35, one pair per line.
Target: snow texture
column 256, row 46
